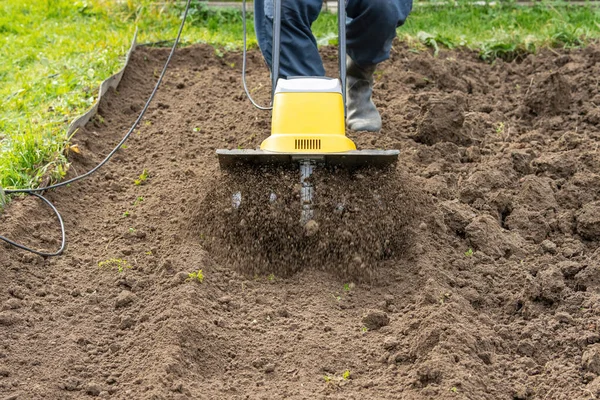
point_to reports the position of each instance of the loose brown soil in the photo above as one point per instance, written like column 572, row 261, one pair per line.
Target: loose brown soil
column 501, row 159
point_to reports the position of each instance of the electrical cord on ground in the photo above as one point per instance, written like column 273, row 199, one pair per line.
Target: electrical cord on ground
column 244, row 56
column 35, row 191
column 62, row 231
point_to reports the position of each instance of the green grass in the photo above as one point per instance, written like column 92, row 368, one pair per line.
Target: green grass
column 506, row 30
column 54, row 54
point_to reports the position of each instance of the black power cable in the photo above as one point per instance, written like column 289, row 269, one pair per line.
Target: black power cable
column 62, row 230
column 244, row 57
column 35, row 191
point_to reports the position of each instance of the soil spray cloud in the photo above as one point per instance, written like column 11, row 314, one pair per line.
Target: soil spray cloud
column 251, row 220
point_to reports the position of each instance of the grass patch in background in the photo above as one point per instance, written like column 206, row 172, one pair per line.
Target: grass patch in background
column 55, row 53
column 505, row 30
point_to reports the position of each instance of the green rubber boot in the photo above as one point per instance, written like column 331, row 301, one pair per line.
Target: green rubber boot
column 362, row 113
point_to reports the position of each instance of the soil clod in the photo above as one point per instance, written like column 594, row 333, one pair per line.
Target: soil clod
column 375, row 319
column 550, row 95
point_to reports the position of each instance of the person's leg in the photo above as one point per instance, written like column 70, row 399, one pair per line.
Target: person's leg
column 299, row 55
column 370, row 32
column 372, row 28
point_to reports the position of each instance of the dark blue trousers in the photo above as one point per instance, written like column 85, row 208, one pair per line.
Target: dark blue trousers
column 370, row 29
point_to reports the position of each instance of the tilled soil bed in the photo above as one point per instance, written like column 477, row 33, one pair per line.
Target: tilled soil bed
column 470, row 271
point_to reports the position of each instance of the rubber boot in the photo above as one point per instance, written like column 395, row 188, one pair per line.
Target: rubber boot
column 362, row 113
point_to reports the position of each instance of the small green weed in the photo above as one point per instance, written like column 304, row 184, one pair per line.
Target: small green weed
column 444, row 297
column 127, row 214
column 336, row 380
column 115, row 263
column 469, row 252
column 271, row 278
column 197, row 276
column 137, row 201
column 142, row 178
column 500, row 128
column 434, row 41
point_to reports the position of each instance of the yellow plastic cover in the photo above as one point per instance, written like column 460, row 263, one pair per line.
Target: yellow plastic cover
column 307, row 122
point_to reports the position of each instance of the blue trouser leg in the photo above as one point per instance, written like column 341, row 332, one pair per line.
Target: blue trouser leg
column 370, row 32
column 299, row 55
column 372, row 28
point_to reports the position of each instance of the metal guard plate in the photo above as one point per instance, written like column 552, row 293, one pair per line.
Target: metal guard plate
column 357, row 158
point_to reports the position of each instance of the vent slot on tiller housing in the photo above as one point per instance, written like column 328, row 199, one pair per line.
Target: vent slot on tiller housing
column 307, row 144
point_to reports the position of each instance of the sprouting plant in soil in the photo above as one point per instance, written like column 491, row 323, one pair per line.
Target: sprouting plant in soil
column 126, row 214
column 444, row 297
column 271, row 278
column 469, row 252
column 500, row 128
column 99, row 119
column 336, row 380
column 142, row 178
column 115, row 263
column 197, row 276
column 138, row 200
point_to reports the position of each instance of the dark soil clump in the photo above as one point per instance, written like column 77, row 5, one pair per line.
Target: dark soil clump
column 551, row 95
column 442, row 120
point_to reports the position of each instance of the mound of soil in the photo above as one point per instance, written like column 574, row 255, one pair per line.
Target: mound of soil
column 472, row 270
